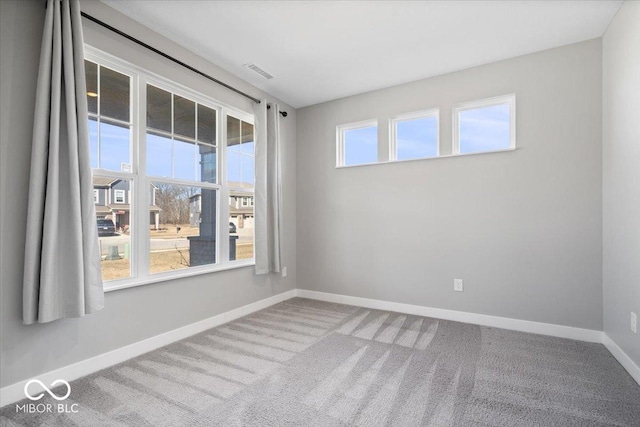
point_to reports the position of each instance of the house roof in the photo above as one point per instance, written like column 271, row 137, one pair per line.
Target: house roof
column 245, row 185
column 99, row 181
column 102, row 209
column 240, row 194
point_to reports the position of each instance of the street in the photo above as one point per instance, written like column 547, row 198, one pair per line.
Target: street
column 245, row 235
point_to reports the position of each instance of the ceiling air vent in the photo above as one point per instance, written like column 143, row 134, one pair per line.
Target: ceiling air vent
column 256, row 69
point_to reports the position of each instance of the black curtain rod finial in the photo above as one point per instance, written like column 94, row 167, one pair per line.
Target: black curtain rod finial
column 283, row 113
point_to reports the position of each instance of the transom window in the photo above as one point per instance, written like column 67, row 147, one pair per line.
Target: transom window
column 357, row 143
column 485, row 125
column 414, row 136
column 156, row 153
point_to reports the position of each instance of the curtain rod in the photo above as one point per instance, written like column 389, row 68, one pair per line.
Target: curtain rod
column 170, row 58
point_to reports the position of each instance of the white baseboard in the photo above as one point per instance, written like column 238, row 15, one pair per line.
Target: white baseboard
column 622, row 357
column 15, row 392
column 570, row 332
column 580, row 334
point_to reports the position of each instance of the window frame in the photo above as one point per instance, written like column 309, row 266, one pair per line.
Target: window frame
column 509, row 99
column 117, row 192
column 393, row 132
column 140, row 182
column 340, row 141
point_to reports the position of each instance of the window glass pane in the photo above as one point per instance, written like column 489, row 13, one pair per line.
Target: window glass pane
column 206, row 125
column 158, row 109
column 184, row 160
column 247, row 166
column 207, row 166
column 91, row 74
column 93, row 142
column 247, row 148
column 114, row 146
column 417, row 138
column 184, row 117
column 113, row 221
column 247, row 132
column 158, row 155
column 361, row 146
column 233, row 134
column 114, row 94
column 247, row 159
column 183, row 227
column 241, row 225
column 234, row 174
column 484, row 129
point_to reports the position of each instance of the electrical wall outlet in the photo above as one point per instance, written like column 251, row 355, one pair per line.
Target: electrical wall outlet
column 458, row 285
column 634, row 323
column 284, row 271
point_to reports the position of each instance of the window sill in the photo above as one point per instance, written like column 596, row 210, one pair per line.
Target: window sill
column 116, row 285
column 447, row 156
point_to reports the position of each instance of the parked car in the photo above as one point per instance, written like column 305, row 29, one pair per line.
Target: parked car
column 232, row 228
column 106, row 227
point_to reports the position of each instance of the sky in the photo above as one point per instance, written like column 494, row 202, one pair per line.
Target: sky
column 417, row 138
column 184, row 163
column 484, row 129
column 361, row 146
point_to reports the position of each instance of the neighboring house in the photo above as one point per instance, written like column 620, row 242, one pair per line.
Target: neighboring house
column 241, row 209
column 112, row 198
column 241, row 206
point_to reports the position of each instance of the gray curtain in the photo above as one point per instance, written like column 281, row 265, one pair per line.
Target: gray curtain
column 268, row 193
column 62, row 260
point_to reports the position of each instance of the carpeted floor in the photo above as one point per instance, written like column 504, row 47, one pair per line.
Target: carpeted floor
column 305, row 362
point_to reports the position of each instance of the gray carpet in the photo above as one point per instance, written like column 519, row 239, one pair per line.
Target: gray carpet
column 305, row 362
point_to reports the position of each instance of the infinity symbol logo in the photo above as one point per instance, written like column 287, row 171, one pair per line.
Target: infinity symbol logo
column 47, row 389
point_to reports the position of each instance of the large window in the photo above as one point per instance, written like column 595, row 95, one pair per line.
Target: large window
column 485, row 125
column 157, row 153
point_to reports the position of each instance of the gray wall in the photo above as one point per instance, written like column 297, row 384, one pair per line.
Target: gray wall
column 621, row 177
column 523, row 228
column 134, row 314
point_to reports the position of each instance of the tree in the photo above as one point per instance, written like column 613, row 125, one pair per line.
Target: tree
column 174, row 202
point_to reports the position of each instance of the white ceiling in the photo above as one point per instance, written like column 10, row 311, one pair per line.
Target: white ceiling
column 324, row 50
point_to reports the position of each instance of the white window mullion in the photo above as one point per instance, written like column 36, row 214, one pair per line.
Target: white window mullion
column 98, row 115
column 173, row 140
column 142, row 202
column 223, row 207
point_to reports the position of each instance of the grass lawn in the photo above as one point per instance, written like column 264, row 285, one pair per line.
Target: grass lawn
column 169, row 231
column 162, row 261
